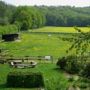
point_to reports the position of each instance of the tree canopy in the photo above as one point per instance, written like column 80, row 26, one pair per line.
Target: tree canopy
column 6, row 13
column 29, row 17
column 66, row 15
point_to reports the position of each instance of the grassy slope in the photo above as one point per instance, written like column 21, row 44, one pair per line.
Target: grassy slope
column 60, row 29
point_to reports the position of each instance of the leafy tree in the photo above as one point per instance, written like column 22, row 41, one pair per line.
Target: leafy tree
column 28, row 17
column 6, row 12
column 81, row 42
column 66, row 15
column 37, row 16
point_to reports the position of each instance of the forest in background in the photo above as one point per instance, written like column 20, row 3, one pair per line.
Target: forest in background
column 29, row 17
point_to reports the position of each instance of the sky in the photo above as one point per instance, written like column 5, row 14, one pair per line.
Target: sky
column 77, row 3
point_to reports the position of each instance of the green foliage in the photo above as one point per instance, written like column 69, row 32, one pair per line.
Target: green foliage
column 51, row 76
column 82, row 83
column 38, row 16
column 86, row 71
column 80, row 42
column 25, row 80
column 56, row 85
column 6, row 12
column 8, row 29
column 62, row 62
column 2, row 61
column 69, row 64
column 66, row 15
column 28, row 17
column 72, row 65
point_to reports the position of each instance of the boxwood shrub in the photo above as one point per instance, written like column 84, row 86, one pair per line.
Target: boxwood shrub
column 25, row 80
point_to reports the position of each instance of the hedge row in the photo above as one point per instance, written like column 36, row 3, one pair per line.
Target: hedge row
column 25, row 80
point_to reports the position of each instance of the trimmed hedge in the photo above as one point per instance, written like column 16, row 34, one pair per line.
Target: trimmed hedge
column 25, row 80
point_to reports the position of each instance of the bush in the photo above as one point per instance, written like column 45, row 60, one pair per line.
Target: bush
column 83, row 83
column 2, row 61
column 86, row 71
column 72, row 66
column 62, row 62
column 69, row 64
column 8, row 29
column 25, row 80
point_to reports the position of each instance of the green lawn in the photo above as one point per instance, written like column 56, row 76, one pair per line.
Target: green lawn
column 37, row 45
column 53, row 78
column 60, row 29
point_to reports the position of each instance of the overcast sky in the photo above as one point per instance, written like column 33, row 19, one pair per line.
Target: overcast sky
column 77, row 3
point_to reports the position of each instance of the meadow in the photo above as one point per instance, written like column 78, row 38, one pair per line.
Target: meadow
column 60, row 29
column 40, row 44
column 36, row 45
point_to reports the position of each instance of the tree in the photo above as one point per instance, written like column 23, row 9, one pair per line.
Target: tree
column 6, row 12
column 28, row 17
column 22, row 17
column 66, row 15
column 81, row 42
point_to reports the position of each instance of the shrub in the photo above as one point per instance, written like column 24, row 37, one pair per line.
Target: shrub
column 25, row 79
column 72, row 66
column 71, row 79
column 8, row 29
column 83, row 83
column 2, row 61
column 69, row 64
column 86, row 71
column 62, row 62
column 85, row 80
